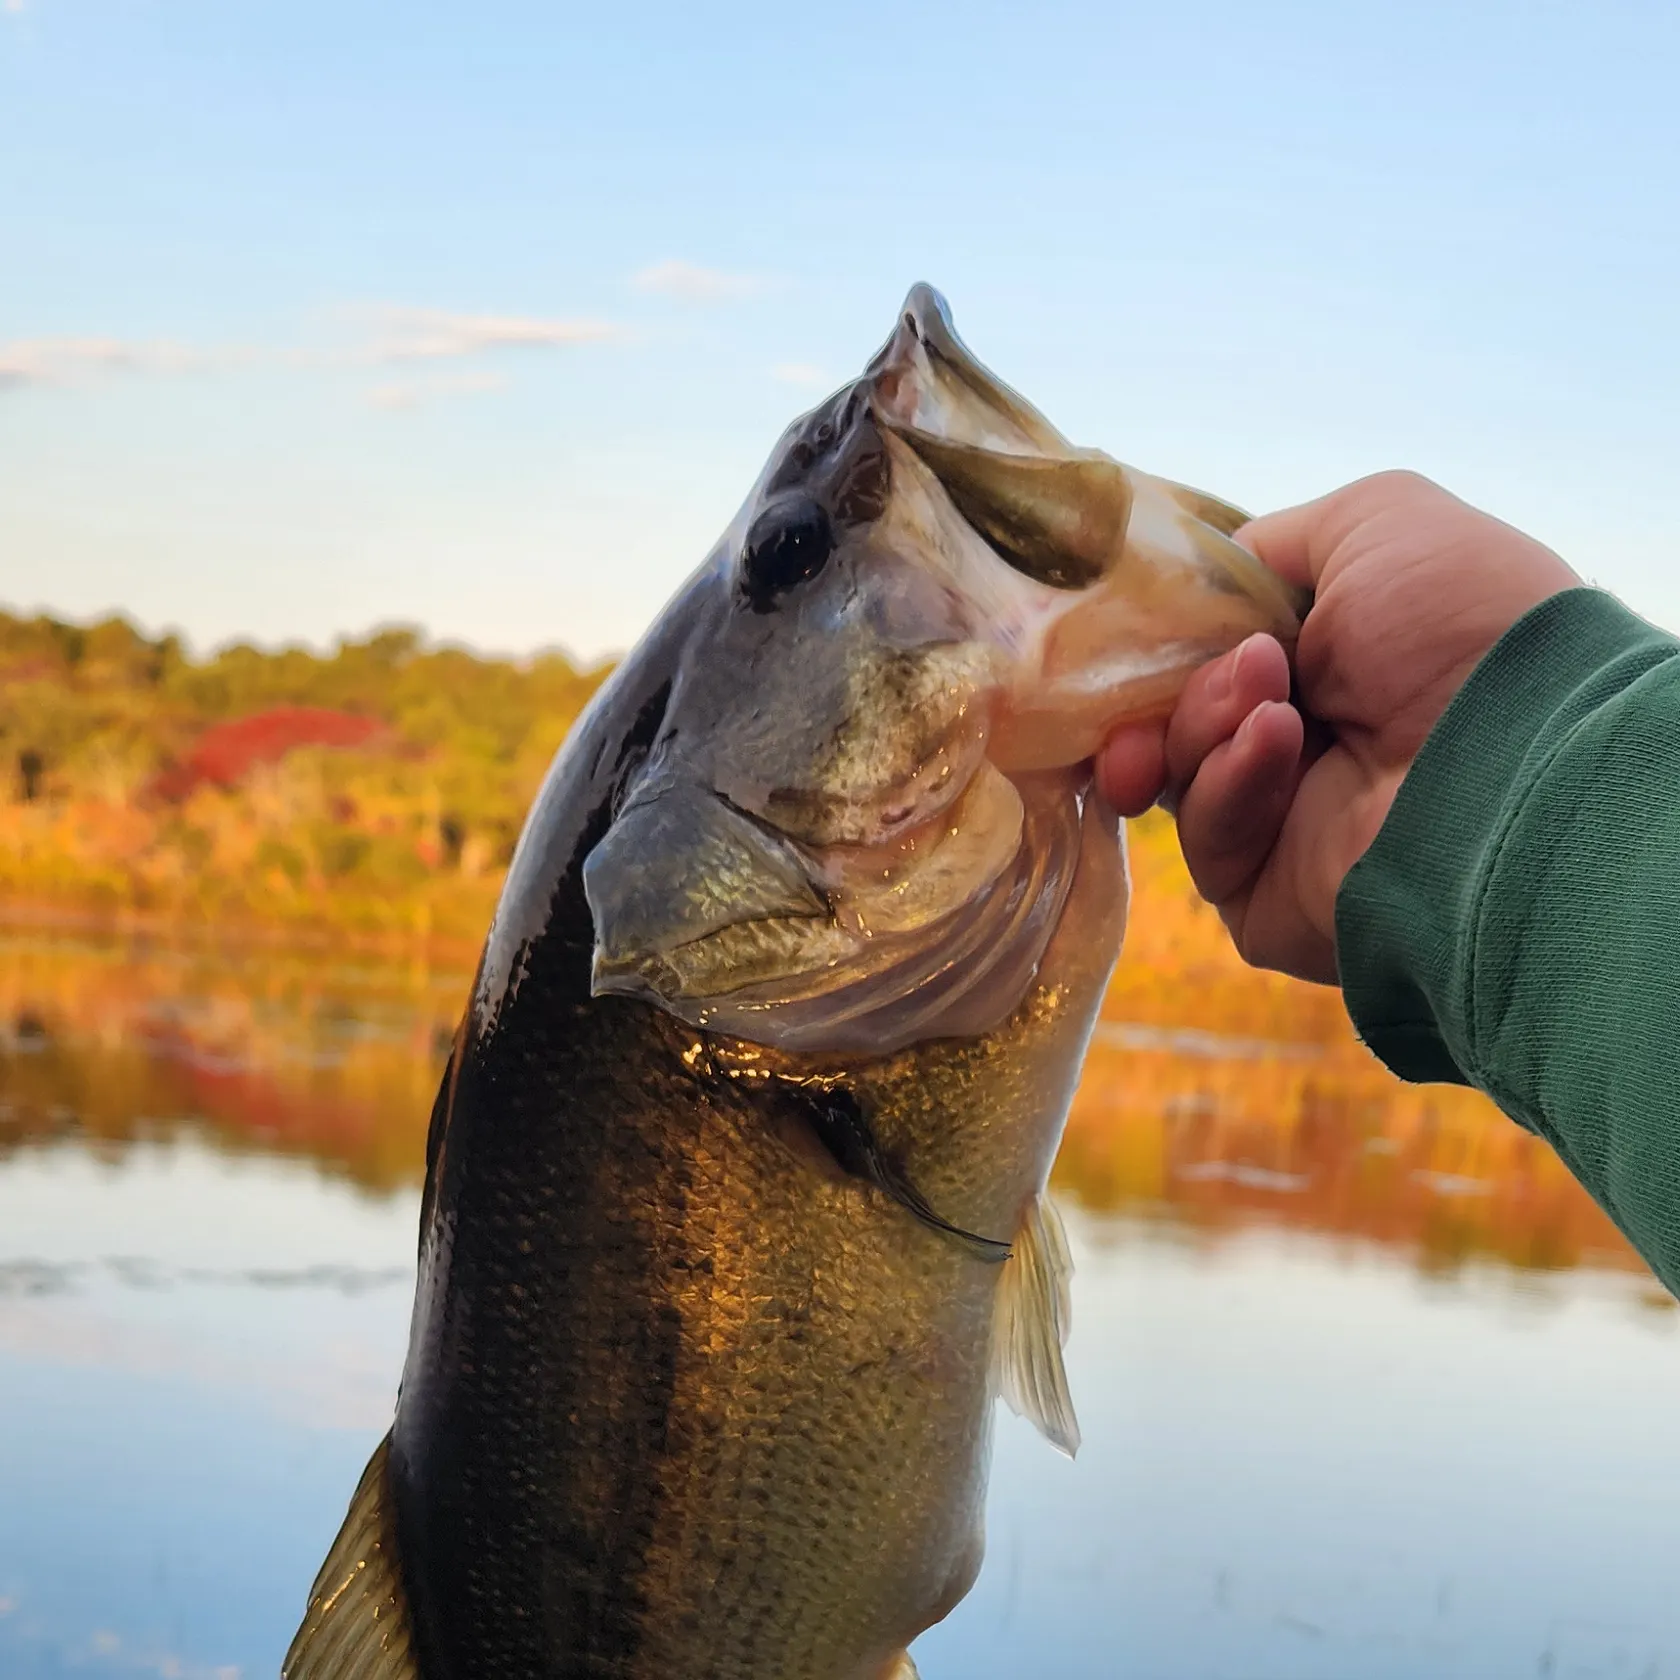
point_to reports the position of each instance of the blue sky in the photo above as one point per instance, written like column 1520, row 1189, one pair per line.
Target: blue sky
column 320, row 315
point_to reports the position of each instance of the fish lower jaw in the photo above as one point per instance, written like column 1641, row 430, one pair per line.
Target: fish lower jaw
column 962, row 975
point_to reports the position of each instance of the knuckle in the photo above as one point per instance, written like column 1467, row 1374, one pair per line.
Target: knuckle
column 1397, row 484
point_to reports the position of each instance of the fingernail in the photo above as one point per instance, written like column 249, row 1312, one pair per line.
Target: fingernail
column 1247, row 649
column 1222, row 679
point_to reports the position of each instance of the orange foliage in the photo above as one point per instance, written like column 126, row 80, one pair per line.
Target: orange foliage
column 226, row 753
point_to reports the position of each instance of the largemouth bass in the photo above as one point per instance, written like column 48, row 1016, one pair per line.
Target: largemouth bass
column 735, row 1223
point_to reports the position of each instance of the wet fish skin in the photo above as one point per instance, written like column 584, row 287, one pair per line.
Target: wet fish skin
column 679, row 1400
column 765, row 1066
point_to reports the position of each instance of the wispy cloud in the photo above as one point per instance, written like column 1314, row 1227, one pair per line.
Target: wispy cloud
column 417, row 392
column 13, row 8
column 391, row 336
column 427, row 335
column 693, row 284
column 59, row 361
column 802, row 374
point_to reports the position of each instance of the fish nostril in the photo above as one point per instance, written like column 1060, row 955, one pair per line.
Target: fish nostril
column 789, row 543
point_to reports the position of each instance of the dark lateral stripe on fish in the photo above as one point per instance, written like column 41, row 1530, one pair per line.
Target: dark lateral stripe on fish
column 843, row 1128
column 583, row 1587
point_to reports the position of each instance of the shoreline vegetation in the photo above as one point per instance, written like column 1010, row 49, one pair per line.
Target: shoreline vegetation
column 251, row 889
column 369, row 796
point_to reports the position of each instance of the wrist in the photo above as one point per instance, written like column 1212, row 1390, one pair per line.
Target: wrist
column 1407, row 914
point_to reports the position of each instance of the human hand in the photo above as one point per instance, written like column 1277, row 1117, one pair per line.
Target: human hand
column 1274, row 804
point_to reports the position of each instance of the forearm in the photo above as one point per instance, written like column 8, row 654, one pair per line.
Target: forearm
column 1516, row 924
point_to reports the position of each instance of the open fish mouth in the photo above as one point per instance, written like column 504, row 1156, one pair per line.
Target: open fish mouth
column 861, row 813
column 1107, row 585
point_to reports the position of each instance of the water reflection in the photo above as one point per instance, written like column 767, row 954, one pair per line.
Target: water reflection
column 202, row 1347
column 256, row 1050
column 1305, row 1462
column 293, row 1055
column 1368, row 1387
column 1221, row 1135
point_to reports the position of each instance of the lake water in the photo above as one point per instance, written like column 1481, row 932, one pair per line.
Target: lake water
column 1308, row 1452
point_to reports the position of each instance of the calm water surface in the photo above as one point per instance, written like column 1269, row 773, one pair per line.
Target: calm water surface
column 1305, row 1455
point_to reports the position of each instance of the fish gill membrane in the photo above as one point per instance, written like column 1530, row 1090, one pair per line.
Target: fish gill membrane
column 858, row 828
column 735, row 1219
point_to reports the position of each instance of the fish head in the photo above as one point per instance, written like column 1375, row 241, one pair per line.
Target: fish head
column 870, row 790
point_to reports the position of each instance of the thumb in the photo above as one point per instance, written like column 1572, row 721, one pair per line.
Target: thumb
column 1295, row 542
column 1298, row 543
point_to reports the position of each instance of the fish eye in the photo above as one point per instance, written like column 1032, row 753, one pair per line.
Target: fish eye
column 789, row 543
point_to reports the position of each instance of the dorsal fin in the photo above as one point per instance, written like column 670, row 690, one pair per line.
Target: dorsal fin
column 357, row 1624
column 1034, row 1315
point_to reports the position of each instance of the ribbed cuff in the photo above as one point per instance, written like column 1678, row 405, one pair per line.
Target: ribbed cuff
column 1406, row 914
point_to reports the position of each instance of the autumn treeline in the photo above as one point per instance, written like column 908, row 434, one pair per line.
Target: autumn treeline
column 108, row 817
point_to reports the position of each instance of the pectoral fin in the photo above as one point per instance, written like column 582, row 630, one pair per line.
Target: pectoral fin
column 357, row 1627
column 1034, row 1314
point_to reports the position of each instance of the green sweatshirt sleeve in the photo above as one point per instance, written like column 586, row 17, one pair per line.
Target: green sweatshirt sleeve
column 1516, row 923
